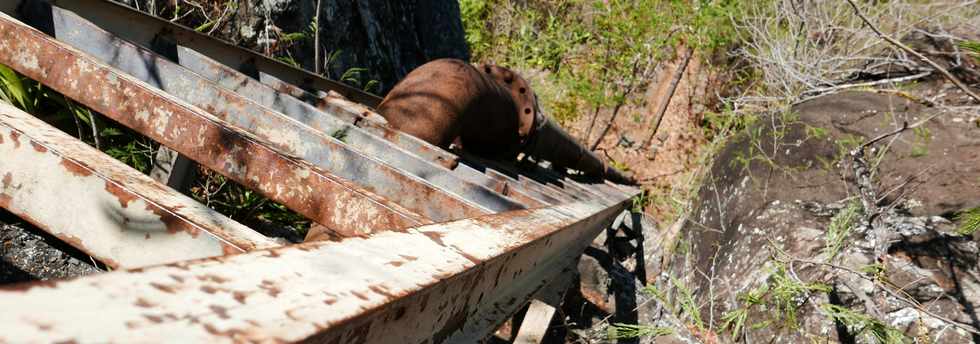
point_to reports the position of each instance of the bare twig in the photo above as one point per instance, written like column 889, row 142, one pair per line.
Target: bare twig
column 95, row 131
column 949, row 76
column 630, row 87
column 588, row 132
column 904, row 127
column 316, row 39
column 821, row 91
column 678, row 74
column 904, row 299
column 869, row 305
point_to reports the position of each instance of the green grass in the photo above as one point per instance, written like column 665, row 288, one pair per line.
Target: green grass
column 969, row 221
column 973, row 47
column 840, row 228
column 628, row 331
column 864, row 326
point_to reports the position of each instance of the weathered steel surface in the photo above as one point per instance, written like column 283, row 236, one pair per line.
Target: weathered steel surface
column 293, row 101
column 357, row 161
column 546, row 195
column 142, row 29
column 369, row 133
column 308, row 190
column 443, row 283
column 103, row 207
column 330, row 113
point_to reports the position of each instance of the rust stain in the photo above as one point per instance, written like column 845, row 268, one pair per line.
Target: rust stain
column 75, row 168
column 164, row 288
column 209, row 289
column 435, row 236
column 1, row 139
column 382, row 290
column 239, row 296
column 220, row 311
column 270, row 287
column 153, row 318
column 227, row 249
column 360, row 295
column 141, row 302
column 15, row 136
column 7, row 179
column 122, row 195
column 212, row 278
column 38, row 147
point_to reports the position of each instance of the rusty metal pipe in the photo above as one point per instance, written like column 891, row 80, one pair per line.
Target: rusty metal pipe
column 550, row 142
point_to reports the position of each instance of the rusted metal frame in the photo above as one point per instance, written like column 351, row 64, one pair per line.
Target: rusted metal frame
column 304, row 188
column 443, row 283
column 335, row 111
column 435, row 164
column 137, row 27
column 103, row 207
column 291, row 136
column 462, row 179
column 361, row 116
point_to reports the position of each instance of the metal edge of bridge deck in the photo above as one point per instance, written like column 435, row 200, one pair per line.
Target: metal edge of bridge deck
column 444, row 283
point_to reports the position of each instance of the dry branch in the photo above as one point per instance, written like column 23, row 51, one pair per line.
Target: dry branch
column 949, row 76
column 664, row 103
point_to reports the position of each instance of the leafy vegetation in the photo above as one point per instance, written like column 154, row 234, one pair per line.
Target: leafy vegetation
column 840, row 228
column 595, row 53
column 627, row 331
column 969, row 221
column 117, row 141
column 863, row 326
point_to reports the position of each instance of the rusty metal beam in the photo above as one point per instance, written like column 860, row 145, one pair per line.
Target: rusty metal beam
column 371, row 162
column 332, row 114
column 289, row 99
column 326, row 113
column 142, row 29
column 308, row 190
column 103, row 207
column 442, row 283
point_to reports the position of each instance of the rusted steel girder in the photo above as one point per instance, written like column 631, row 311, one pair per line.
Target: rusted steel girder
column 306, row 189
column 426, row 189
column 296, row 101
column 137, row 27
column 103, row 207
column 444, row 283
column 332, row 114
column 360, row 115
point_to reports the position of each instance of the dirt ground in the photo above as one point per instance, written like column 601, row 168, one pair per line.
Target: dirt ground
column 665, row 166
